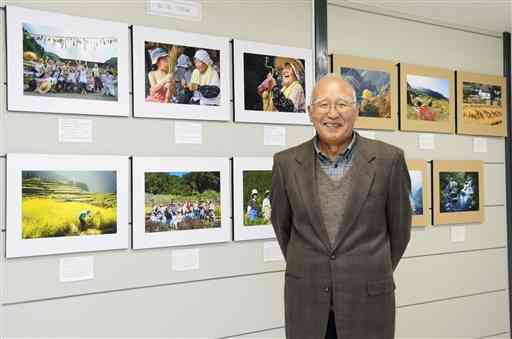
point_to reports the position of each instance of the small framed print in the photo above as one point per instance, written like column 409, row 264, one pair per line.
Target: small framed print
column 458, row 191
column 66, row 64
column 375, row 83
column 180, row 201
column 252, row 182
column 272, row 83
column 66, row 203
column 181, row 75
column 427, row 99
column 482, row 104
column 420, row 193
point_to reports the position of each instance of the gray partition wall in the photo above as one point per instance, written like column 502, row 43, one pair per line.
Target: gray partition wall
column 444, row 288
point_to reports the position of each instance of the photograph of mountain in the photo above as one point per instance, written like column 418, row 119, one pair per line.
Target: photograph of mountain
column 427, row 98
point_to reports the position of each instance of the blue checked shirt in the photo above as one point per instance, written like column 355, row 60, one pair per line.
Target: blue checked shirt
column 337, row 168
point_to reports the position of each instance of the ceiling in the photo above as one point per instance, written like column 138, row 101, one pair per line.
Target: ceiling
column 486, row 16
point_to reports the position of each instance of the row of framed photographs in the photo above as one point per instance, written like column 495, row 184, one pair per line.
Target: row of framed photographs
column 66, row 64
column 69, row 203
column 428, row 97
column 457, row 188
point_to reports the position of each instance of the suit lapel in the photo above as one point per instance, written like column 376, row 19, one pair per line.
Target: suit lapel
column 364, row 169
column 308, row 188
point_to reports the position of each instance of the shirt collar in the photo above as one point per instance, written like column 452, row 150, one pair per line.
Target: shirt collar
column 344, row 154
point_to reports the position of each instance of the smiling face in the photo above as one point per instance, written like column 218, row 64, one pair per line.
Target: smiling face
column 163, row 64
column 201, row 66
column 333, row 125
column 288, row 75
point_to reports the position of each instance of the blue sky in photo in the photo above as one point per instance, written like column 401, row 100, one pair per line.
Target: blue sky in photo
column 437, row 84
column 100, row 54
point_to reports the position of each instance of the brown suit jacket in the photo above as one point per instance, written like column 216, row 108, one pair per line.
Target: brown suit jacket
column 357, row 272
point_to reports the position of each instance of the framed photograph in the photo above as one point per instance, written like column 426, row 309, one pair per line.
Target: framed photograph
column 66, row 64
column 482, row 104
column 180, row 75
column 66, row 203
column 272, row 83
column 252, row 181
column 420, row 193
column 180, row 201
column 458, row 191
column 427, row 99
column 376, row 84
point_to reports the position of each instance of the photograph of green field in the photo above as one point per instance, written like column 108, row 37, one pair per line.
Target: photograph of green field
column 427, row 98
column 182, row 200
column 257, row 207
column 68, row 203
column 482, row 103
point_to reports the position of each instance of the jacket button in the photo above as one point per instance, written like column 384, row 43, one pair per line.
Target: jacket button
column 326, row 289
column 333, row 256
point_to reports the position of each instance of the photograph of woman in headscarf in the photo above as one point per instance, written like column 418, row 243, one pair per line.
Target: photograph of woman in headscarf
column 274, row 83
column 182, row 75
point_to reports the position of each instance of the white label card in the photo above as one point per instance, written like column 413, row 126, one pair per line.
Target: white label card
column 274, row 135
column 479, row 145
column 458, row 233
column 181, row 9
column 185, row 260
column 188, row 132
column 272, row 251
column 426, row 141
column 76, row 268
column 368, row 134
column 75, row 130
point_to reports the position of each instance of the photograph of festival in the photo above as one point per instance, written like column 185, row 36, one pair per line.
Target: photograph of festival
column 257, row 207
column 182, row 200
column 372, row 91
column 182, row 74
column 482, row 103
column 60, row 64
column 68, row 203
column 274, row 83
column 459, row 191
column 427, row 98
column 416, row 195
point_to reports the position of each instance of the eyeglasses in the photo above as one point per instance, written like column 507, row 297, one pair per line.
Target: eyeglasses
column 341, row 106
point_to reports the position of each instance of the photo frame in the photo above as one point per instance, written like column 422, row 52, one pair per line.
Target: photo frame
column 458, row 187
column 180, row 49
column 70, row 64
column 171, row 209
column 427, row 99
column 252, row 182
column 481, row 97
column 420, row 192
column 376, row 84
column 290, row 84
column 66, row 203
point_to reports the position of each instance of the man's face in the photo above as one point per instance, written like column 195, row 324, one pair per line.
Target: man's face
column 333, row 111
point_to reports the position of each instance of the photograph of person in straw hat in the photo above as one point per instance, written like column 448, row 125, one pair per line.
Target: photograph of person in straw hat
column 257, row 209
column 274, row 83
column 181, row 74
column 68, row 65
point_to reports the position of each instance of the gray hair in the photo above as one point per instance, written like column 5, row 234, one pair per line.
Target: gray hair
column 332, row 76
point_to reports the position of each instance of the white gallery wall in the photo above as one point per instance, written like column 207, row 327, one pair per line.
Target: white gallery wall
column 444, row 289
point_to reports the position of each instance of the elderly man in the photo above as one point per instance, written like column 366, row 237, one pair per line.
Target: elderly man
column 342, row 217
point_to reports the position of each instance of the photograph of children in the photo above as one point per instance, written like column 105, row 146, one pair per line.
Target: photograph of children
column 182, row 200
column 372, row 90
column 416, row 195
column 64, row 65
column 257, row 186
column 482, row 103
column 182, row 74
column 459, row 191
column 427, row 98
column 274, row 83
column 68, row 203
